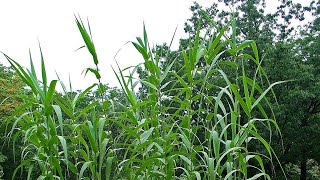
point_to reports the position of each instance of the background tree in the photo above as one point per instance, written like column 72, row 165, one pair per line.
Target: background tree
column 11, row 94
column 298, row 110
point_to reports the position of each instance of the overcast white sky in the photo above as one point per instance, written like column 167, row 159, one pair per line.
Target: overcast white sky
column 113, row 23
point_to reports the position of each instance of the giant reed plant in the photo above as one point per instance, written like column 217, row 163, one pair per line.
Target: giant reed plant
column 162, row 136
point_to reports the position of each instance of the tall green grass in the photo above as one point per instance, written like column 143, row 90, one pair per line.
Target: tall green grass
column 161, row 136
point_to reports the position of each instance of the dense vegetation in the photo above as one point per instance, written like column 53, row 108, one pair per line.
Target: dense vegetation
column 238, row 100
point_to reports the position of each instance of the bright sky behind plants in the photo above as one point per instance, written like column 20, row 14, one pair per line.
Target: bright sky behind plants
column 113, row 24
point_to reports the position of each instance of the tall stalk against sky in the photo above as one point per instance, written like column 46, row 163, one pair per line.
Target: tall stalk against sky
column 163, row 136
column 168, row 144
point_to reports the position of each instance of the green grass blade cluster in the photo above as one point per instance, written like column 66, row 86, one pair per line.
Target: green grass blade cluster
column 188, row 123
